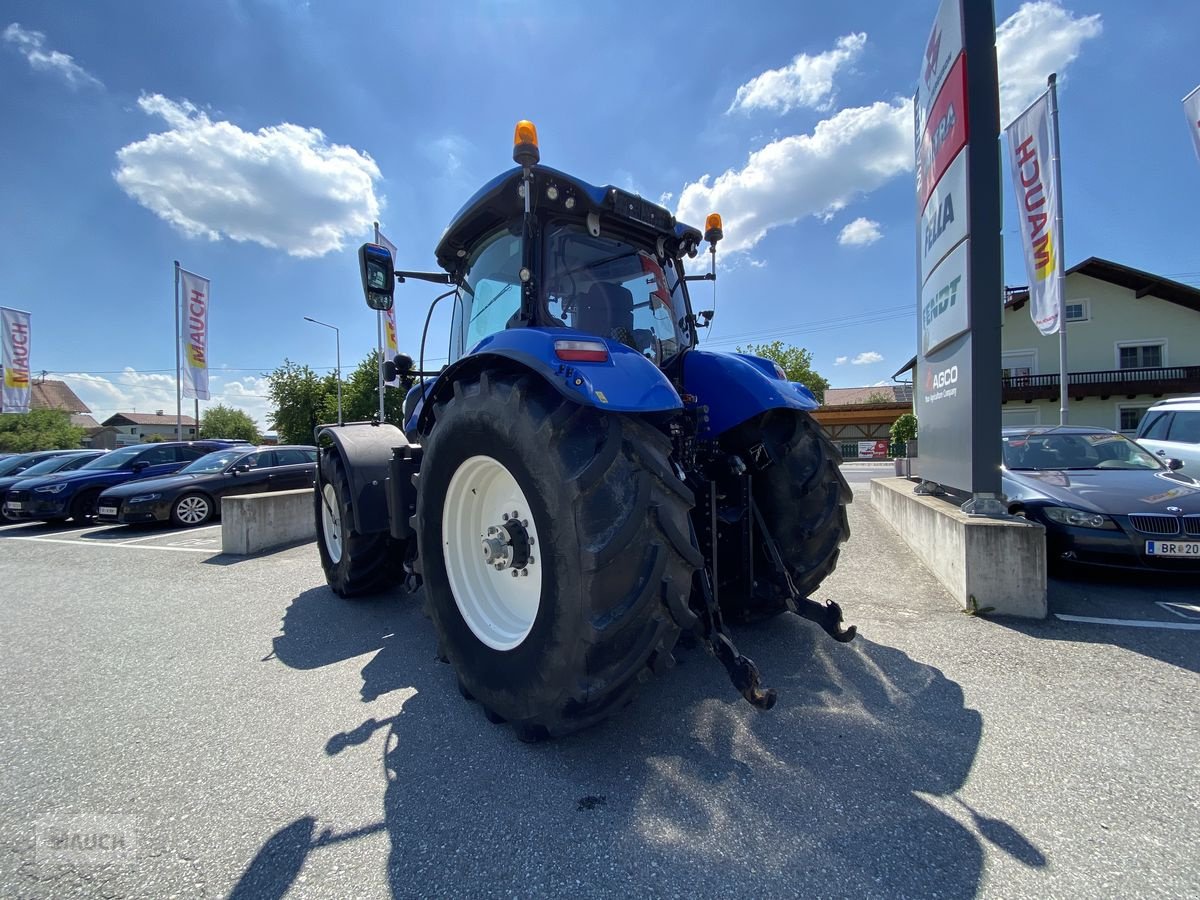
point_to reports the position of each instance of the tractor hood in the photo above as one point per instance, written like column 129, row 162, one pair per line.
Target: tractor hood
column 500, row 201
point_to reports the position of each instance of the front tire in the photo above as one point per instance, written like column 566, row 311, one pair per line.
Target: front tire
column 600, row 526
column 83, row 507
column 802, row 497
column 191, row 510
column 354, row 563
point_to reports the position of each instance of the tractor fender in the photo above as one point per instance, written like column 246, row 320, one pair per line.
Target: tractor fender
column 626, row 382
column 366, row 449
column 737, row 386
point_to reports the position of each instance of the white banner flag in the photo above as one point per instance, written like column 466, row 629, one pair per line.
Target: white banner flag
column 1038, row 202
column 193, row 320
column 390, row 345
column 14, row 357
column 1191, row 109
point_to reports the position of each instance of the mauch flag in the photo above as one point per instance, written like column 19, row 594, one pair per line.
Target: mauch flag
column 14, row 357
column 390, row 345
column 1191, row 109
column 1037, row 208
column 193, row 318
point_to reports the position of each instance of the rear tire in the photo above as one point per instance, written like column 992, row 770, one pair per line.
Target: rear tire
column 802, row 497
column 611, row 554
column 354, row 563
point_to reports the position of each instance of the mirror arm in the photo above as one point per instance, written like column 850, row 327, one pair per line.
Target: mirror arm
column 435, row 277
column 707, row 276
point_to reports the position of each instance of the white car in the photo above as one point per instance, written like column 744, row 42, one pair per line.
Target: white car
column 1171, row 429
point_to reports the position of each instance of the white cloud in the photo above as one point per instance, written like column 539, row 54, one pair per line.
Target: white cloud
column 148, row 392
column 849, row 154
column 866, row 358
column 32, row 45
column 283, row 186
column 860, row 233
column 1039, row 38
column 841, row 360
column 805, row 81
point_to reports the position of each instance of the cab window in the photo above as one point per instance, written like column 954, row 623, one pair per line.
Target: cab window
column 490, row 295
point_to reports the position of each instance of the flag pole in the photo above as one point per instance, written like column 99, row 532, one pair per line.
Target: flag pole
column 1063, row 394
column 379, row 336
column 178, row 365
column 196, row 426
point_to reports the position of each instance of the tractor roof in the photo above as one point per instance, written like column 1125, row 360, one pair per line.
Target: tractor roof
column 499, row 201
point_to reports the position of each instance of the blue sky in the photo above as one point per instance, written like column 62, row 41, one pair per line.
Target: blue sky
column 256, row 140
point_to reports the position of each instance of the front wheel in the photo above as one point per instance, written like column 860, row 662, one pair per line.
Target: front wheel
column 83, row 507
column 354, row 563
column 191, row 510
column 554, row 546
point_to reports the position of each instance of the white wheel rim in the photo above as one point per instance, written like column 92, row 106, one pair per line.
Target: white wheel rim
column 498, row 606
column 331, row 521
column 192, row 510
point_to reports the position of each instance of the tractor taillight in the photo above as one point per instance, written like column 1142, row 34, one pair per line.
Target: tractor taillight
column 581, row 351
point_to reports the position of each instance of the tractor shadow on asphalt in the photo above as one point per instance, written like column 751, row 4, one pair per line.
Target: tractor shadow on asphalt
column 845, row 788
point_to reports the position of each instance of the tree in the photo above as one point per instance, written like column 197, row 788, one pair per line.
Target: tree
column 904, row 429
column 38, row 429
column 223, row 421
column 303, row 400
column 796, row 362
column 360, row 394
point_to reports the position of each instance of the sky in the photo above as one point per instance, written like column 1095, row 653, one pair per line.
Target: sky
column 256, row 141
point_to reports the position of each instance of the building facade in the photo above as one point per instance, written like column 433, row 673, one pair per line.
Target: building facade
column 125, row 429
column 1133, row 338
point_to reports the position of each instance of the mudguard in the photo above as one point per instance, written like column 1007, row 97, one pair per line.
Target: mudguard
column 366, row 449
column 736, row 387
column 625, row 382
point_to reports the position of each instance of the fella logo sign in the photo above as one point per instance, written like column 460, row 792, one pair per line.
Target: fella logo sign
column 944, row 222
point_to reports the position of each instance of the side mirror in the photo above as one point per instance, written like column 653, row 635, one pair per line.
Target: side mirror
column 140, row 465
column 1173, row 463
column 378, row 275
column 241, row 468
column 397, row 367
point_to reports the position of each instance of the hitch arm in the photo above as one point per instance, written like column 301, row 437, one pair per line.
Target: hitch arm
column 828, row 614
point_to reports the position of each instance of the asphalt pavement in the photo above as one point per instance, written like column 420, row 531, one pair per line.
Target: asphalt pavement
column 227, row 727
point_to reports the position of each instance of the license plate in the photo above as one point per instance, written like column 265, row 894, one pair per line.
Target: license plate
column 12, row 504
column 1173, row 548
column 107, row 510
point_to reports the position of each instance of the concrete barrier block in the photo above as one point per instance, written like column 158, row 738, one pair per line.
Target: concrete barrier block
column 1000, row 563
column 252, row 523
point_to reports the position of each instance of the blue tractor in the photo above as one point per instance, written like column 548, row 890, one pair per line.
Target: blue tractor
column 582, row 484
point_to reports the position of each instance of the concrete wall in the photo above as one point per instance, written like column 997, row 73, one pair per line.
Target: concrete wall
column 252, row 523
column 999, row 563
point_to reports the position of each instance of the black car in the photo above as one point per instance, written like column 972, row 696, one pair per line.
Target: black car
column 193, row 495
column 59, row 461
column 16, row 463
column 63, row 495
column 1105, row 500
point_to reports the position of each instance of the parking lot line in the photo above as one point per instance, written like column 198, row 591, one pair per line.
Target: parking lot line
column 1130, row 623
column 42, row 540
column 151, row 537
column 1183, row 610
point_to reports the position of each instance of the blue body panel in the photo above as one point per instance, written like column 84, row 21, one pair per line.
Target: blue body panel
column 736, row 387
column 626, row 382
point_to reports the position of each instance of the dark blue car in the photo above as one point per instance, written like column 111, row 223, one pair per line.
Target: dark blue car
column 73, row 495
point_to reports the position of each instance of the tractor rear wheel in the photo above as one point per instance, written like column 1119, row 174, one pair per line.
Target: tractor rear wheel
column 802, row 497
column 554, row 544
column 354, row 563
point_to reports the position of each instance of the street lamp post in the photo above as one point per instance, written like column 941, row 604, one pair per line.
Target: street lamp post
column 337, row 335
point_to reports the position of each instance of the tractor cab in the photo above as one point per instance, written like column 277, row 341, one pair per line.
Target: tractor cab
column 537, row 248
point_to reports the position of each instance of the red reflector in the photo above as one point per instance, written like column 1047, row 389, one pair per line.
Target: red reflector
column 581, row 351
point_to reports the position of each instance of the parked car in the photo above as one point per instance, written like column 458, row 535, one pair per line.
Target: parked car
column 17, row 463
column 1171, row 429
column 67, row 461
column 73, row 495
column 193, row 495
column 1104, row 500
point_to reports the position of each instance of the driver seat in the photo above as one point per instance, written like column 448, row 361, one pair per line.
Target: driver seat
column 605, row 308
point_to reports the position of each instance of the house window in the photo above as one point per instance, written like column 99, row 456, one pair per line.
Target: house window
column 1129, row 418
column 1139, row 356
column 1077, row 311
